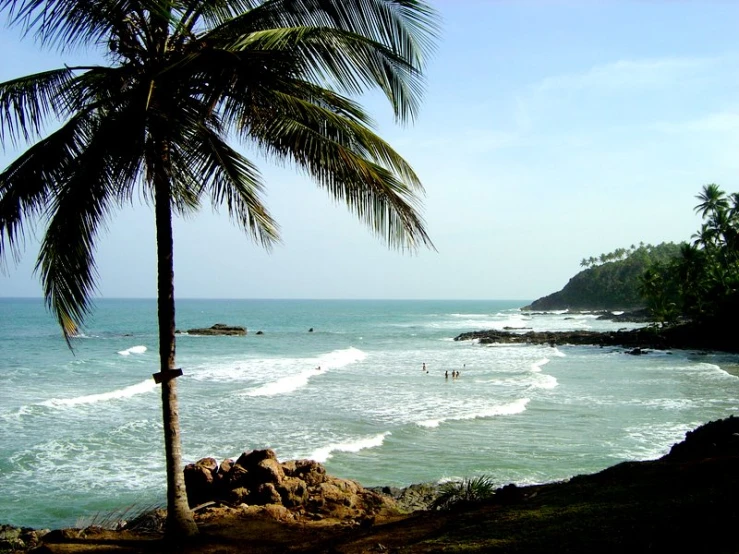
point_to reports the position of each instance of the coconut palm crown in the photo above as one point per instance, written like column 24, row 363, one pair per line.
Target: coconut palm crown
column 184, row 78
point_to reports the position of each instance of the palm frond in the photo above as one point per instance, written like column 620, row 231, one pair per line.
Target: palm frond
column 211, row 14
column 99, row 176
column 68, row 24
column 407, row 27
column 321, row 113
column 387, row 204
column 28, row 102
column 28, row 183
column 205, row 162
column 347, row 61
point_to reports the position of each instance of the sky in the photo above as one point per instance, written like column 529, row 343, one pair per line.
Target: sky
column 550, row 131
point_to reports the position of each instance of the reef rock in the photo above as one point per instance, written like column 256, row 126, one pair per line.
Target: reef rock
column 301, row 487
column 219, row 329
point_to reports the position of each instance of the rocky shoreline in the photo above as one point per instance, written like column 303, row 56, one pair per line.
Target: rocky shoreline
column 632, row 503
column 684, row 336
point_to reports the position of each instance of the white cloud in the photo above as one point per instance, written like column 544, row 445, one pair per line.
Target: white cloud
column 631, row 74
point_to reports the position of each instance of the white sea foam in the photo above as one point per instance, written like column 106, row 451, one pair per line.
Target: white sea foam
column 558, row 353
column 544, row 381
column 17, row 413
column 290, row 383
column 511, row 408
column 324, row 453
column 126, row 392
column 717, row 371
column 341, row 358
column 140, row 349
column 654, row 440
column 536, row 366
column 285, row 385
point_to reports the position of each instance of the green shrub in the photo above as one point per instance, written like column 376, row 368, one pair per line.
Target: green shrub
column 467, row 491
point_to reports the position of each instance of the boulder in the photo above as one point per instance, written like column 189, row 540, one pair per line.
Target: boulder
column 267, row 494
column 239, row 495
column 19, row 539
column 309, row 471
column 298, row 487
column 199, row 480
column 261, row 466
column 293, row 491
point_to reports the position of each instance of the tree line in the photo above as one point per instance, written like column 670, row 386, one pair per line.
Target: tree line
column 701, row 283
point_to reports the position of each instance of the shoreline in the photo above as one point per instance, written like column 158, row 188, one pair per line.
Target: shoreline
column 685, row 336
column 625, row 506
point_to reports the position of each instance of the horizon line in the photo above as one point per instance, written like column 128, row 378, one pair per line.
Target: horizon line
column 287, row 298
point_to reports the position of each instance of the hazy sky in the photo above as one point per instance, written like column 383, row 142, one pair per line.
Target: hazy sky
column 551, row 131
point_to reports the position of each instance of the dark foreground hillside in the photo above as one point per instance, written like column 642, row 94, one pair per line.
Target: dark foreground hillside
column 684, row 502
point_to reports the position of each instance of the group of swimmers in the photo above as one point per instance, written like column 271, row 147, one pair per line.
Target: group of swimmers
column 455, row 373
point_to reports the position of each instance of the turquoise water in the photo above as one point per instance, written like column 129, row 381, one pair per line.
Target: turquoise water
column 80, row 432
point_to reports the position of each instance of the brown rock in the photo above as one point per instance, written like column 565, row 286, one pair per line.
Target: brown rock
column 294, row 492
column 199, row 478
column 253, row 457
column 267, row 494
column 309, row 471
column 236, row 477
column 269, row 471
column 239, row 495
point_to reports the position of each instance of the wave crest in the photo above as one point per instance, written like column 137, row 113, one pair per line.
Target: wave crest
column 140, row 349
column 324, row 453
column 512, row 408
column 126, row 392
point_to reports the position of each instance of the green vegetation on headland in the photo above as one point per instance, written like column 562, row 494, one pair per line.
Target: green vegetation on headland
column 696, row 282
column 610, row 282
column 702, row 283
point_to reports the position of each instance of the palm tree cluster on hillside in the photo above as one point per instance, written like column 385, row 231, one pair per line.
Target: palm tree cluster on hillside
column 617, row 255
column 702, row 283
column 184, row 78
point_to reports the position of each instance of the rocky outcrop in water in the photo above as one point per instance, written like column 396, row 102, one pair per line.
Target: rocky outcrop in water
column 628, row 338
column 300, row 488
column 218, row 329
column 685, row 336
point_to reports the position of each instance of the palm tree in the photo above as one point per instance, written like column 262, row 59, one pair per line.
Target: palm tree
column 184, row 77
column 712, row 199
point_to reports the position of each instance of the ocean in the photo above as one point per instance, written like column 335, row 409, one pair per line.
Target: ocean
column 80, row 432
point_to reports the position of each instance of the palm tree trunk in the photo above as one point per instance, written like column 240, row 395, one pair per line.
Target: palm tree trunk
column 180, row 521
